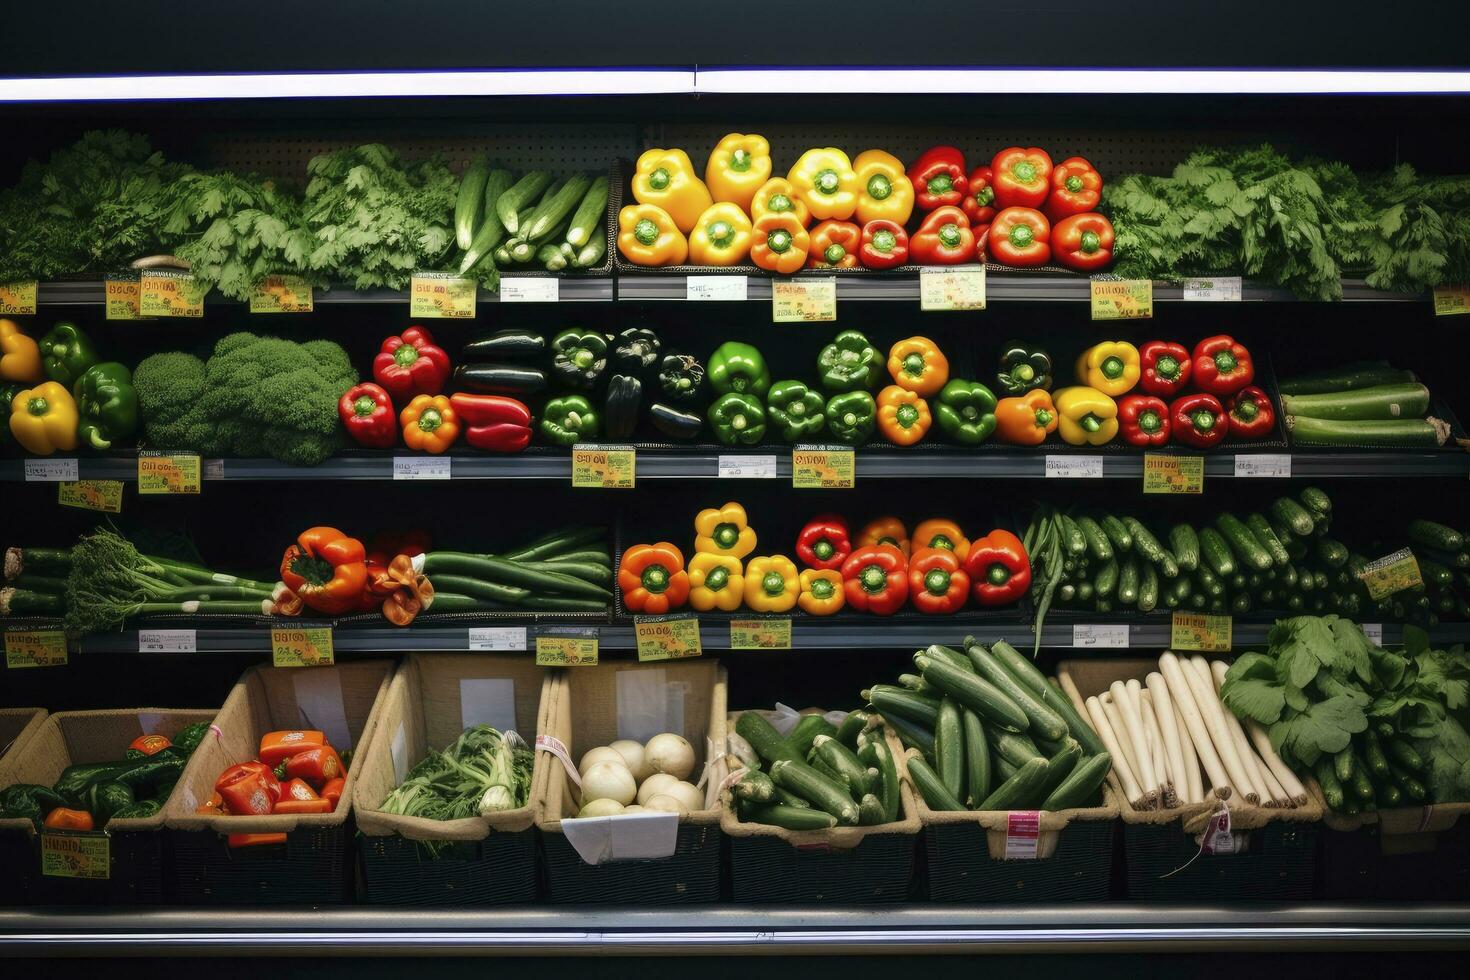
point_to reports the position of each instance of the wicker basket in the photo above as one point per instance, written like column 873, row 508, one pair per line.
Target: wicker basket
column 1419, row 853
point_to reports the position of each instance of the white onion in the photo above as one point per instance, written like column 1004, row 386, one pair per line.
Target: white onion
column 665, row 803
column 686, row 793
column 632, row 753
column 658, row 783
column 633, row 808
column 601, row 808
column 670, row 753
column 602, row 753
column 609, row 781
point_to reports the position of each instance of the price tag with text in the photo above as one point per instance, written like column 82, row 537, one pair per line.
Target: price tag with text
column 1391, row 573
column 528, row 290
column 421, row 467
column 609, row 467
column 1122, row 299
column 1374, row 633
column 960, row 287
column 122, row 296
column 1074, row 467
column 803, row 300
column 719, row 289
column 1219, row 289
column 566, row 647
column 168, row 472
column 35, row 648
column 760, row 634
column 823, row 467
column 168, row 641
column 169, row 292
column 498, row 638
column 1099, row 636
column 1451, row 300
column 1173, row 474
column 1195, row 631
column 51, row 469
column 1272, row 466
column 306, row 647
column 103, row 495
column 667, row 637
column 76, row 855
column 747, row 467
column 441, row 296
column 282, row 294
column 18, row 298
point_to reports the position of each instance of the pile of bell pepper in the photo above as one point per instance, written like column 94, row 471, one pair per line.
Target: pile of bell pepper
column 59, row 394
column 294, row 772
column 879, row 570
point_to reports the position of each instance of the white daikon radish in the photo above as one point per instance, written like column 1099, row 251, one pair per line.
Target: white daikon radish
column 1164, row 714
column 669, row 753
column 609, row 781
column 1155, row 735
column 1237, row 735
column 1128, row 710
column 632, row 753
column 1194, row 791
column 1279, row 769
column 1197, row 672
column 667, row 804
column 658, row 783
column 603, row 753
column 1194, row 723
column 601, row 807
column 1110, row 709
column 1121, row 768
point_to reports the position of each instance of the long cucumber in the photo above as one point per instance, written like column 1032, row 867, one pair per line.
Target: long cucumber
column 1079, row 787
column 1397, row 401
column 912, row 735
column 821, row 792
column 892, row 700
column 1016, row 790
column 555, row 208
column 949, row 748
column 808, row 727
column 521, row 195
column 1397, row 433
column 754, row 786
column 841, row 760
column 1027, row 673
column 888, row 772
column 936, row 795
column 977, row 758
column 589, row 214
column 973, row 692
column 1044, row 722
column 787, row 817
column 763, row 737
column 468, row 206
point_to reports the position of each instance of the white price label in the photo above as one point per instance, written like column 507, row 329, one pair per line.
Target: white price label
column 1273, row 466
column 1074, row 467
column 51, row 471
column 421, row 467
column 546, row 290
column 747, row 467
column 498, row 638
column 1374, row 633
column 167, row 641
column 1220, row 289
column 1023, row 834
column 720, row 289
column 1097, row 636
column 213, row 469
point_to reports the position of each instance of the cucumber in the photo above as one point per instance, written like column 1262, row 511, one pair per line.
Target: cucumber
column 1081, row 785
column 1019, row 788
column 754, row 786
column 1058, row 767
column 764, row 738
column 1348, row 377
column 855, row 722
column 806, row 730
column 1403, row 754
column 1315, row 499
column 1261, row 529
column 977, row 758
column 1042, row 720
column 1216, row 553
column 911, row 734
column 892, row 700
column 1085, row 591
column 1106, row 579
column 554, row 208
column 975, row 693
column 591, row 254
column 1128, row 581
column 870, row 811
column 490, row 231
column 1148, row 546
column 1399, row 401
column 1097, row 541
column 521, row 195
column 1395, row 434
column 917, row 684
column 551, row 258
column 1334, row 554
column 1373, row 755
column 1148, row 590
column 1459, row 560
column 589, row 214
column 1331, row 788
column 1432, row 534
column 949, row 748
column 1413, row 788
column 1240, row 604
column 1343, row 765
column 952, row 655
column 1211, row 587
column 841, row 760
column 468, row 206
column 821, row 792
column 1389, row 796
column 1074, row 542
column 1243, row 542
column 1118, row 535
column 1361, row 785
column 1003, row 769
column 931, row 787
column 787, row 798
column 1293, row 515
column 1185, row 545
column 888, row 773
column 1014, row 748
column 787, row 817
column 1027, row 673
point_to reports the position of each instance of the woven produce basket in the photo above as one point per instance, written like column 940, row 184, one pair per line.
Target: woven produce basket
column 1419, row 853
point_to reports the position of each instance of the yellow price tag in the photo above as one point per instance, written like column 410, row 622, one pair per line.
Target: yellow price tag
column 1451, row 300
column 803, row 300
column 1173, row 474
column 1122, row 299
column 76, row 855
column 18, row 298
column 1193, row 631
column 960, row 287
column 760, row 634
column 823, row 467
column 122, row 296
column 442, row 295
column 567, row 648
column 667, row 637
column 282, row 294
column 1391, row 573
column 612, row 468
column 35, row 648
column 168, row 472
column 307, row 647
column 103, row 495
column 164, row 292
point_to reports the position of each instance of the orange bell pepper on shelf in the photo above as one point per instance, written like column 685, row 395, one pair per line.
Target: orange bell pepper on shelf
column 834, row 245
column 887, row 193
column 277, row 746
column 903, row 417
column 652, row 578
column 918, row 364
column 1026, row 420
column 317, row 805
column 326, row 569
column 20, row 355
column 778, row 196
column 62, row 818
column 938, row 583
column 780, row 243
column 297, row 789
column 429, row 423
column 316, row 766
column 941, row 532
column 885, row 530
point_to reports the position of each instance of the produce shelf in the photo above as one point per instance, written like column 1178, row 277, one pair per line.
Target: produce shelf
column 726, row 929
column 570, row 289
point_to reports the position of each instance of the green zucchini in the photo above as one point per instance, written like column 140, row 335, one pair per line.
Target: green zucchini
column 555, row 207
column 1118, row 535
column 1081, row 785
column 870, row 811
column 1097, row 541
column 841, row 760
column 1106, row 579
column 1185, row 544
column 912, row 734
column 1399, row 401
column 1261, row 528
column 855, row 722
column 1395, row 434
column 892, row 700
column 787, row 798
column 1014, row 748
column 1315, row 499
column 468, row 206
column 787, row 817
column 808, row 727
column 977, row 758
column 949, row 748
column 754, row 786
column 1019, row 788
column 931, row 787
column 917, row 684
column 823, row 793
column 1348, row 377
column 951, row 654
column 1074, row 542
column 888, row 772
column 1148, row 590
column 520, row 196
column 973, row 692
column 1293, row 516
column 1128, row 581
column 1216, row 552
column 1042, row 720
column 1432, row 534
column 589, row 215
column 763, row 737
column 1243, row 542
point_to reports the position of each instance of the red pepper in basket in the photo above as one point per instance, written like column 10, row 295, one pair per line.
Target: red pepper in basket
column 1020, row 237
column 937, row 582
column 824, row 542
column 249, row 789
column 1143, row 420
column 493, row 422
column 256, row 840
column 1252, row 416
column 884, row 245
column 1198, row 420
column 1221, row 366
column 944, row 238
column 317, row 805
column 1164, row 368
column 1021, row 177
column 410, row 364
column 939, row 178
column 317, row 766
column 875, row 579
column 999, row 568
column 1083, row 242
column 979, row 204
column 333, row 790
column 368, row 416
column 297, row 789
column 1076, row 188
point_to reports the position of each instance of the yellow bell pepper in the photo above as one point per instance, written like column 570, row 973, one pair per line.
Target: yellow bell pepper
column 667, row 179
column 771, row 584
column 723, row 531
column 739, row 164
column 821, row 591
column 648, row 236
column 886, row 192
column 715, row 582
column 1085, row 416
column 940, row 532
column 1111, row 367
column 825, row 180
column 777, row 196
column 20, row 355
column 722, row 236
column 43, row 419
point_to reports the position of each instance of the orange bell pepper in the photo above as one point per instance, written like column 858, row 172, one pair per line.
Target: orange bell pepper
column 316, row 766
column 778, row 196
column 834, row 245
column 1027, row 419
column 821, row 592
column 653, row 578
column 780, row 243
column 317, row 805
column 326, row 569
column 918, row 365
column 937, row 581
column 429, row 423
column 63, row 819
column 276, row 746
column 941, row 532
column 297, row 789
column 903, row 417
column 332, row 790
column 149, row 744
column 885, row 530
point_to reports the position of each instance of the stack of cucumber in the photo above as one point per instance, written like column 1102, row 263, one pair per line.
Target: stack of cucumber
column 1443, row 555
column 987, row 731
column 1370, row 403
column 818, row 777
column 553, row 222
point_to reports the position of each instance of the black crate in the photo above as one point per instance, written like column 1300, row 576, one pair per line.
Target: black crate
column 1354, row 865
column 962, row 870
column 1279, row 864
column 769, row 870
column 691, row 875
column 499, row 870
column 312, row 867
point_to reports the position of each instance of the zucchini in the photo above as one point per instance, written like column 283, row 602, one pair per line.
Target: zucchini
column 787, row 817
column 806, row 731
column 1216, row 552
column 975, row 693
column 555, row 207
column 1081, row 785
column 1027, row 673
column 521, row 195
column 891, row 795
column 855, row 722
column 1106, row 579
column 1148, row 590
column 1128, row 581
column 917, row 684
column 787, row 798
column 1432, row 534
column 1042, row 720
column 1261, row 528
column 469, row 203
column 1118, row 535
column 754, row 786
column 949, row 748
column 1315, row 499
column 823, row 793
column 952, row 655
column 841, row 760
column 1185, row 545
column 1017, row 789
column 1293, row 516
column 870, row 811
column 1097, row 541
column 1074, row 542
column 1395, row 434
column 491, row 231
column 764, row 738
column 508, row 344
column 1014, row 748
column 516, row 380
column 1348, row 377
column 892, row 700
column 912, row 734
column 977, row 758
column 931, row 787
column 1400, row 401
column 589, row 215
column 1243, row 542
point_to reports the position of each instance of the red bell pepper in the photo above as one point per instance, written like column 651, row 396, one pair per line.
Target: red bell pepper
column 276, row 747
column 149, row 744
column 333, row 790
column 1083, row 242
column 249, row 789
column 875, row 579
column 1076, row 188
column 297, row 789
column 1020, row 237
column 1164, row 368
column 824, row 542
column 317, row 766
column 368, row 415
column 944, row 238
column 1221, row 366
column 937, row 582
column 939, row 178
column 1252, row 416
column 317, row 805
column 326, row 568
column 1143, row 420
column 1198, row 420
column 999, row 568
column 884, row 245
column 493, row 422
column 1021, row 177
column 979, row 204
column 410, row 364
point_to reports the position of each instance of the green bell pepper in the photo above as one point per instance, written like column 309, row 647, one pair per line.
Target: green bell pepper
column 965, row 411
column 568, row 419
column 850, row 363
column 797, row 409
column 66, row 352
column 105, row 799
column 852, row 417
column 739, row 368
column 107, row 406
column 579, row 357
column 189, row 737
column 8, row 391
column 1023, row 368
column 738, row 418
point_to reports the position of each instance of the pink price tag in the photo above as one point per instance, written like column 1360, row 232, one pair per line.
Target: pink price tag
column 1023, row 834
column 1217, row 838
column 554, row 745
